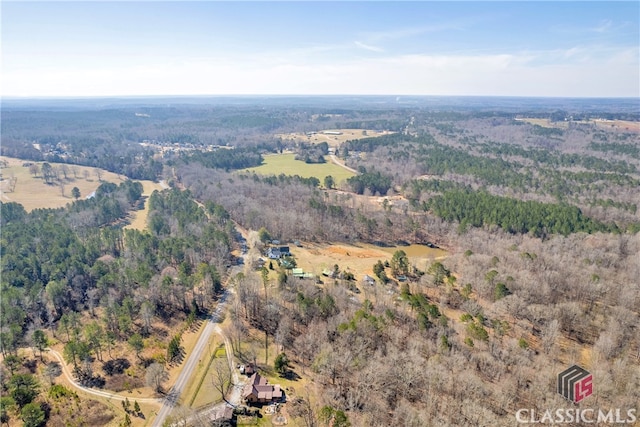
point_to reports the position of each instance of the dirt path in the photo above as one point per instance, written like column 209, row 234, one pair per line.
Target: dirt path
column 335, row 160
column 109, row 395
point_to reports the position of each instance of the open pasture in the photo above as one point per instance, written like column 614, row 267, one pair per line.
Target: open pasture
column 358, row 259
column 616, row 125
column 288, row 165
column 32, row 192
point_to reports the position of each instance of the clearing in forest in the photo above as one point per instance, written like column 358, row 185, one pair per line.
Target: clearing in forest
column 277, row 164
column 360, row 259
column 618, row 125
column 32, row 192
column 333, row 137
column 138, row 219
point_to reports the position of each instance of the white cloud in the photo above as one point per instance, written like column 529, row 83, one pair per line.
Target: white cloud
column 401, row 33
column 607, row 73
column 368, row 47
column 603, row 27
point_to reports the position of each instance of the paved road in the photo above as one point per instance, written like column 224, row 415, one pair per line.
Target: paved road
column 185, row 375
column 234, row 397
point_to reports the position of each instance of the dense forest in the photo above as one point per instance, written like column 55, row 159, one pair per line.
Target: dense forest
column 540, row 224
column 76, row 274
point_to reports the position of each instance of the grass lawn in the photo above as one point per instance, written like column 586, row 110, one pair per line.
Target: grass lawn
column 288, row 165
column 201, row 390
column 32, row 192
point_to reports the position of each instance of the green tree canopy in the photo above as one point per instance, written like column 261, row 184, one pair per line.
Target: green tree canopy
column 281, row 363
column 32, row 415
column 75, row 193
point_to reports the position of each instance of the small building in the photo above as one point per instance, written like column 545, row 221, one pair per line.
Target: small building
column 369, row 280
column 329, row 273
column 258, row 391
column 287, row 263
column 298, row 272
column 247, row 369
column 222, row 414
column 273, row 253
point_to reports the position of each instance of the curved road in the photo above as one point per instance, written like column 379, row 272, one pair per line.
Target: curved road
column 171, row 400
column 335, row 160
column 93, row 391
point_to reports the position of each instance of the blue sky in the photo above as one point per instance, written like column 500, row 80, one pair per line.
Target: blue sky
column 421, row 48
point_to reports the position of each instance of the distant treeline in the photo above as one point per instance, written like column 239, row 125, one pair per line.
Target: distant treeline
column 128, row 159
column 515, row 216
column 617, row 148
column 227, row 159
column 392, row 125
column 282, row 179
column 375, row 182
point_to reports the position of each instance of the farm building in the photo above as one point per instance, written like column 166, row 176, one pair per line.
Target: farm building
column 298, row 272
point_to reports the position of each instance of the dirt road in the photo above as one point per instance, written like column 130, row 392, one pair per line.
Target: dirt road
column 109, row 395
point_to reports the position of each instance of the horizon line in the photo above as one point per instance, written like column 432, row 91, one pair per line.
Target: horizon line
column 310, row 95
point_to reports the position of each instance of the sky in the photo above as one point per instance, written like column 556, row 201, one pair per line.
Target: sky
column 500, row 48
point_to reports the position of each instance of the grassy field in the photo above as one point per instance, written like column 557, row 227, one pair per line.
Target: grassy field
column 139, row 218
column 359, row 260
column 32, row 192
column 618, row 125
column 288, row 165
column 545, row 123
column 201, row 391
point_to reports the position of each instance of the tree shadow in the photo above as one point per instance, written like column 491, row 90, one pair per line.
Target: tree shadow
column 115, row 366
column 290, row 375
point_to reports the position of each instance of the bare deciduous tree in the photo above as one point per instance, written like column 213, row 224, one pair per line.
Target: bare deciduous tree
column 550, row 334
column 221, row 378
column 156, row 375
